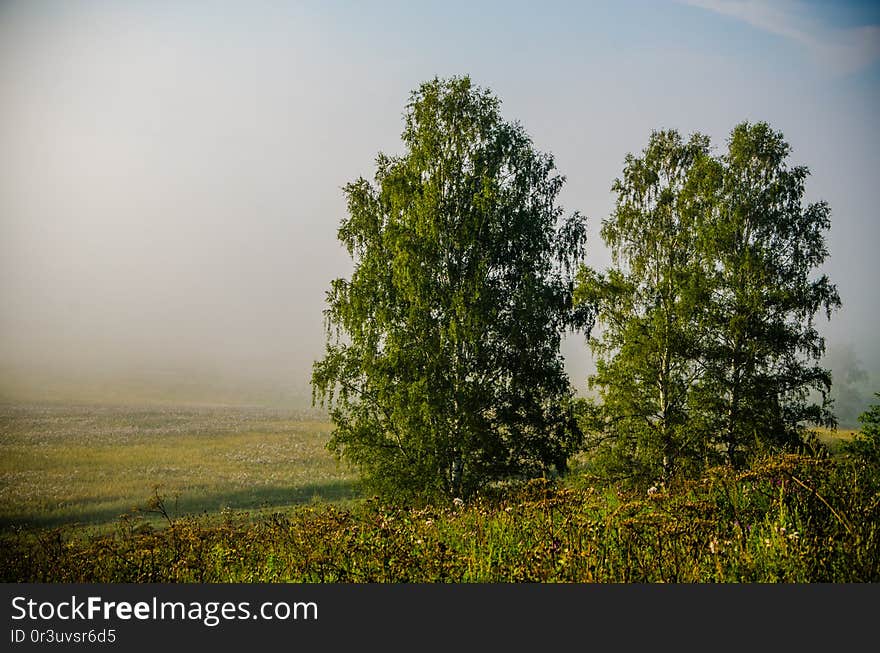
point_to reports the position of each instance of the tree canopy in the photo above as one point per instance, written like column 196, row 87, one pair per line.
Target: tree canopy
column 442, row 369
column 646, row 303
column 708, row 348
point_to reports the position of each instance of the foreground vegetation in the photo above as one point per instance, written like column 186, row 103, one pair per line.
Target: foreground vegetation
column 788, row 519
column 238, row 502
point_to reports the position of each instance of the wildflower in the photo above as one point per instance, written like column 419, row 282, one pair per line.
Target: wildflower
column 458, row 503
column 652, row 490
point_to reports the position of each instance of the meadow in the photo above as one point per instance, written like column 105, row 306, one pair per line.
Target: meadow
column 85, row 465
column 218, row 494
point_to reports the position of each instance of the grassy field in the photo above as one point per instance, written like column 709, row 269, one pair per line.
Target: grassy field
column 790, row 519
column 87, row 464
column 251, row 495
column 834, row 440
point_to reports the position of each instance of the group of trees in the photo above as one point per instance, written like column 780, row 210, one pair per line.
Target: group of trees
column 443, row 370
column 708, row 349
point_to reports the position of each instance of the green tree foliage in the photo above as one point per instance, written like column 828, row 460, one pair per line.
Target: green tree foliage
column 442, row 369
column 761, row 247
column 646, row 303
column 707, row 347
column 866, row 444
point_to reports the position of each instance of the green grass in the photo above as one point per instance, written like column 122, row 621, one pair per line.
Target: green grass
column 252, row 495
column 790, row 519
column 88, row 464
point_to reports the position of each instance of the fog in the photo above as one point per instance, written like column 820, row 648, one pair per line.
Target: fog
column 170, row 173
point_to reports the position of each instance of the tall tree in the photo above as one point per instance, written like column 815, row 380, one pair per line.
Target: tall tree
column 761, row 246
column 707, row 348
column 442, row 369
column 646, row 303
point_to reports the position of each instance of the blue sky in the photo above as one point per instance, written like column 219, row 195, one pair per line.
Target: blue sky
column 172, row 170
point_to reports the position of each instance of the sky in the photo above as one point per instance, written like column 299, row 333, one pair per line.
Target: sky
column 171, row 172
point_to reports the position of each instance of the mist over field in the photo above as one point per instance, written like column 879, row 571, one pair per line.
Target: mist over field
column 170, row 174
column 176, row 183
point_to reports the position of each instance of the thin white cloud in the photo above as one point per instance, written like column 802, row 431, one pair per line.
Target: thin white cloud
column 842, row 50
